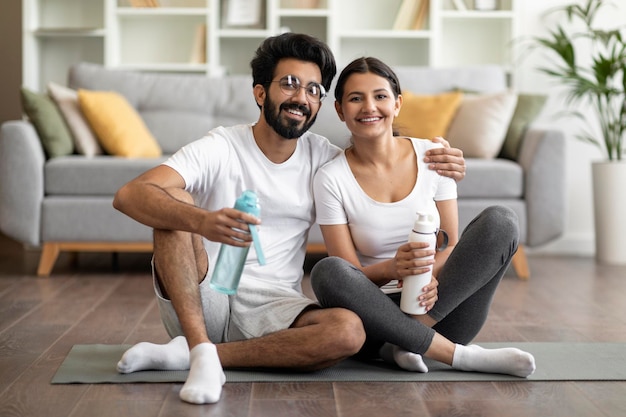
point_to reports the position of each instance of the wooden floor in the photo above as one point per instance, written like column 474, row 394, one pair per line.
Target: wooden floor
column 89, row 300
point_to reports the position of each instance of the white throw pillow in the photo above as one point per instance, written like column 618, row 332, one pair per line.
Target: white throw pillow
column 66, row 99
column 480, row 124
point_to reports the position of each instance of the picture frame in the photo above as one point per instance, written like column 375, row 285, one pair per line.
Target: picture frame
column 243, row 14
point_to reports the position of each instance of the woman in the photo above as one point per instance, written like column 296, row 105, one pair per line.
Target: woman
column 366, row 200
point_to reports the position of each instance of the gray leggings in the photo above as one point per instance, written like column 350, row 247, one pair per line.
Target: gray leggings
column 467, row 283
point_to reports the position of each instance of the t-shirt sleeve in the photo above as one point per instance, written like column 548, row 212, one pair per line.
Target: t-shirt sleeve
column 446, row 189
column 446, row 186
column 200, row 161
column 328, row 200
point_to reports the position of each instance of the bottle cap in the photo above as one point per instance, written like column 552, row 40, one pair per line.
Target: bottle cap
column 424, row 223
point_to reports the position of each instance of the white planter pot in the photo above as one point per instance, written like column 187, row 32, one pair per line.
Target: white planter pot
column 609, row 202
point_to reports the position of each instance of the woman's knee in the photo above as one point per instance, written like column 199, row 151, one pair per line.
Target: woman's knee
column 503, row 221
column 328, row 271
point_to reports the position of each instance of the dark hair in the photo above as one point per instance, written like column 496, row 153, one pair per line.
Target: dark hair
column 364, row 65
column 292, row 45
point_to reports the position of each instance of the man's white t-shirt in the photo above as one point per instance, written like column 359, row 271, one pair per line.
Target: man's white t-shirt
column 227, row 161
column 378, row 229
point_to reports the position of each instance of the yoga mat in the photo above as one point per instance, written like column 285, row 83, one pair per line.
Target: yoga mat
column 93, row 364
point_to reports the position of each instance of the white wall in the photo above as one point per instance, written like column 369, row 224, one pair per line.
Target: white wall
column 579, row 234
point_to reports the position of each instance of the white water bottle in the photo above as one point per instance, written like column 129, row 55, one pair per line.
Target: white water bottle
column 231, row 259
column 424, row 230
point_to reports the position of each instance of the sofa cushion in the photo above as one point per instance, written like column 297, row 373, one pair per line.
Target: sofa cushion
column 100, row 175
column 481, row 122
column 177, row 109
column 53, row 133
column 527, row 109
column 119, row 128
column 88, row 219
column 426, row 116
column 66, row 99
column 491, row 178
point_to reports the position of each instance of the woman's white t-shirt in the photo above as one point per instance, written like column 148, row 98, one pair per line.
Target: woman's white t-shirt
column 378, row 229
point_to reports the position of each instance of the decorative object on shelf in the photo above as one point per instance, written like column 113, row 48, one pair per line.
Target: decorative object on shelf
column 422, row 13
column 600, row 83
column 243, row 13
column 411, row 15
column 485, row 4
column 144, row 3
column 459, row 4
column 198, row 50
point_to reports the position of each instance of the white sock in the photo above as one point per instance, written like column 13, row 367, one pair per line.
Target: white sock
column 511, row 361
column 206, row 377
column 406, row 360
column 173, row 356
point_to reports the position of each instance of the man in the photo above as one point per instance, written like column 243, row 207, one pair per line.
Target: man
column 187, row 200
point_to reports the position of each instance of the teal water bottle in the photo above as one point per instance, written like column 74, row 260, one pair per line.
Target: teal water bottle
column 231, row 259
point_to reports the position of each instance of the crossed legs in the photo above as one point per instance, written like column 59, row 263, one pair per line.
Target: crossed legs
column 467, row 283
column 317, row 338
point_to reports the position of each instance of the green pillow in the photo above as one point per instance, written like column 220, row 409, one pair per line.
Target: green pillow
column 527, row 109
column 54, row 134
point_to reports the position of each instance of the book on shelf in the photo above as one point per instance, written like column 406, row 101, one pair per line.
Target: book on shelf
column 420, row 16
column 198, row 50
column 406, row 14
column 144, row 3
column 459, row 4
column 411, row 15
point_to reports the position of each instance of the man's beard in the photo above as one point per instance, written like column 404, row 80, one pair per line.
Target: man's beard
column 285, row 127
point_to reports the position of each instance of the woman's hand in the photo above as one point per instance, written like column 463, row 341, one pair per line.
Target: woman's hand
column 431, row 294
column 410, row 260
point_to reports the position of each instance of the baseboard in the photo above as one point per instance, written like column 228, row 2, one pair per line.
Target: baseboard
column 573, row 244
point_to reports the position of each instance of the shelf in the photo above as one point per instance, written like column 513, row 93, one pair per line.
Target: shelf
column 69, row 32
column 387, row 34
column 243, row 33
column 303, row 13
column 477, row 14
column 162, row 11
column 165, row 67
column 164, row 39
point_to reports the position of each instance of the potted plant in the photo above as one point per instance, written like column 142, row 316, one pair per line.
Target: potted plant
column 590, row 62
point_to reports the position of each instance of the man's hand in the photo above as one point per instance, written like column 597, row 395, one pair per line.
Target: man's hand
column 446, row 161
column 229, row 226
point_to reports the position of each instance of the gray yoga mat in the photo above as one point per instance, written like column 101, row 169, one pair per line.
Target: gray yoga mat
column 93, row 364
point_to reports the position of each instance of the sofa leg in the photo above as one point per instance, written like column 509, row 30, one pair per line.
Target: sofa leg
column 49, row 256
column 520, row 263
column 51, row 251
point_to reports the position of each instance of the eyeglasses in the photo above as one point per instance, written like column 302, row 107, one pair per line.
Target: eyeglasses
column 291, row 85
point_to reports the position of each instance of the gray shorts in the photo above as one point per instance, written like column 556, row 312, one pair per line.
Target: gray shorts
column 252, row 312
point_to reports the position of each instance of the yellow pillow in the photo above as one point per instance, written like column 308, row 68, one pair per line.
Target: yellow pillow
column 119, row 128
column 427, row 116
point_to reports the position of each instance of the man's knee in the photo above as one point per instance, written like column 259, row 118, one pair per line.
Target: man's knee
column 347, row 333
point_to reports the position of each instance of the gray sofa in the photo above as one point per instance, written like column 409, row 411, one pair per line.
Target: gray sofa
column 64, row 203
